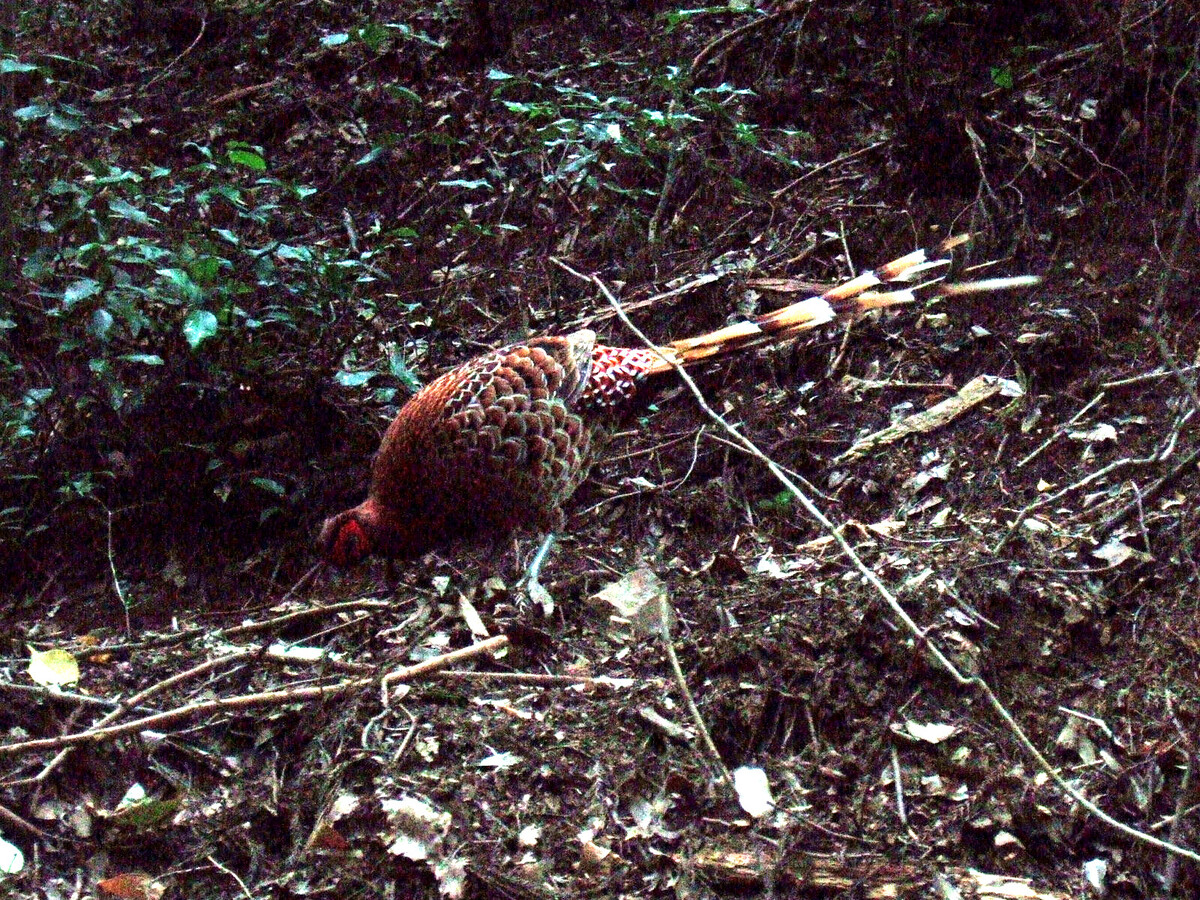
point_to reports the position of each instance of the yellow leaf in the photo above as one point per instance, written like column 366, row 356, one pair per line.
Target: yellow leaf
column 56, row 668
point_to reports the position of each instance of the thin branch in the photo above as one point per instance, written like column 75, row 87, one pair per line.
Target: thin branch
column 836, row 161
column 248, row 701
column 1184, row 226
column 1059, row 432
column 171, row 65
column 664, row 634
column 12, row 820
column 134, row 702
column 728, row 37
column 116, row 580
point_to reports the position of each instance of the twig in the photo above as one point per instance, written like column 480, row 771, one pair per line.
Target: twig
column 604, row 314
column 184, row 713
column 52, row 695
column 1190, row 200
column 430, row 666
column 1058, row 495
column 742, row 31
column 10, row 818
column 977, row 145
column 836, row 161
column 190, row 47
column 351, row 231
column 244, row 702
column 849, row 329
column 301, row 582
column 299, row 616
column 664, row 194
column 238, row 93
column 921, row 636
column 1151, row 491
column 135, row 701
column 112, row 567
column 664, row 634
column 527, row 678
column 1147, row 376
column 1171, row 864
column 232, row 875
column 664, row 725
column 1059, row 431
column 242, row 630
column 898, row 782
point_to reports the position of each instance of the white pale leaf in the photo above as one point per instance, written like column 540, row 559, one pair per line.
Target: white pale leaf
column 472, row 618
column 505, row 760
column 754, row 793
column 1102, row 432
column 1095, row 871
column 12, row 860
column 451, row 875
column 297, row 652
column 933, row 733
column 416, row 827
column 1114, row 552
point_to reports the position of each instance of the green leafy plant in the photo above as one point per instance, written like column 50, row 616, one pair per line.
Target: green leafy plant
column 614, row 145
column 120, row 314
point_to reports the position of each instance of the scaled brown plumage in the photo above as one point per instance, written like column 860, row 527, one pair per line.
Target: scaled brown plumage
column 502, row 442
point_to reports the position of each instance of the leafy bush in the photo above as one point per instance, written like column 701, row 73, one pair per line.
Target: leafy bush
column 158, row 303
column 614, row 145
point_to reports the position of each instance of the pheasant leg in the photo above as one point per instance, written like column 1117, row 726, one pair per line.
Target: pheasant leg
column 529, row 587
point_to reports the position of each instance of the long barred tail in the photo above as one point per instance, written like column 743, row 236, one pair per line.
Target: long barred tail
column 846, row 300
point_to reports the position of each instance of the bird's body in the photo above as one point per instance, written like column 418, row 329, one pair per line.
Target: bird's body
column 500, row 443
column 493, row 446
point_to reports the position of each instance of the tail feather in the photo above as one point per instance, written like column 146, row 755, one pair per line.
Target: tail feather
column 985, row 285
column 839, row 302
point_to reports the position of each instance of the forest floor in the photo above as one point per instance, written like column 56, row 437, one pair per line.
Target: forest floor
column 233, row 736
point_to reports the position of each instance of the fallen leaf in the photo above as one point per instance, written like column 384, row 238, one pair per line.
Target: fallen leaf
column 1102, row 432
column 53, row 668
column 505, row 760
column 933, row 733
column 634, row 598
column 12, row 860
column 417, row 828
column 471, row 616
column 753, row 790
column 1114, row 553
column 1095, row 872
column 132, row 886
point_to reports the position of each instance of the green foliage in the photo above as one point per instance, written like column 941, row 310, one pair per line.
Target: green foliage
column 146, row 280
column 616, row 145
column 118, row 296
column 379, row 36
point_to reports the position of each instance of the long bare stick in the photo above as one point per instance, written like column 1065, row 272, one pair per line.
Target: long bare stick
column 248, row 701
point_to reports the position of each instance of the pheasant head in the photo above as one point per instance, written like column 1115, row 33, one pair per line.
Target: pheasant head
column 345, row 539
column 356, row 533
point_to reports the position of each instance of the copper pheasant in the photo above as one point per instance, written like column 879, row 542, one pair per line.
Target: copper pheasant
column 503, row 441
